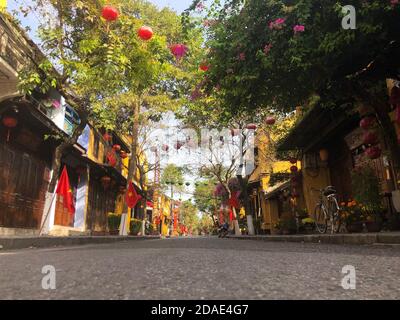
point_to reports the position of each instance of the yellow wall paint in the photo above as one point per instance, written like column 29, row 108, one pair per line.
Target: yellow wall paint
column 3, row 5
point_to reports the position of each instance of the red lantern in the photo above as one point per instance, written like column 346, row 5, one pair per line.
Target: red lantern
column 107, row 137
column 117, row 147
column 373, row 152
column 251, row 126
column 178, row 145
column 178, row 50
column 204, row 67
column 370, row 138
column 110, row 13
column 165, row 148
column 367, row 122
column 9, row 122
column 270, row 121
column 145, row 33
column 293, row 160
column 123, row 155
column 294, row 169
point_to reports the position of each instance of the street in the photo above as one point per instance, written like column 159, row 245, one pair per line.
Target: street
column 202, row 268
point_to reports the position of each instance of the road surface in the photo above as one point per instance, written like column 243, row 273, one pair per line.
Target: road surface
column 201, row 268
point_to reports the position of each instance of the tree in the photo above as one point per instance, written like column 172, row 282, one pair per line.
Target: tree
column 279, row 54
column 189, row 216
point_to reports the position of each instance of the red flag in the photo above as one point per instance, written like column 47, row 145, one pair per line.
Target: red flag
column 64, row 190
column 132, row 198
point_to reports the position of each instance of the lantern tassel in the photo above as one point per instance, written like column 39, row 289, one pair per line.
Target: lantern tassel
column 8, row 135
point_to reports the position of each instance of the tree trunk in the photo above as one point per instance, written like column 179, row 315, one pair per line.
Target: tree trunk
column 132, row 162
column 247, row 206
column 58, row 153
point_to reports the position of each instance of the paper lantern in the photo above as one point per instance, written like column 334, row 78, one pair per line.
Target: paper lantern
column 373, row 152
column 370, row 138
column 178, row 50
column 294, row 169
column 324, row 155
column 117, row 147
column 110, row 13
column 123, row 155
column 107, row 137
column 165, row 148
column 204, row 67
column 270, row 121
column 10, row 122
column 251, row 126
column 293, row 160
column 145, row 33
column 367, row 123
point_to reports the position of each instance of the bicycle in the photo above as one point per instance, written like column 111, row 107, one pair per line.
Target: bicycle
column 327, row 211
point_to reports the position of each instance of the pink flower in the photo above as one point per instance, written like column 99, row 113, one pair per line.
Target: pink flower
column 267, row 48
column 277, row 24
column 298, row 28
column 394, row 2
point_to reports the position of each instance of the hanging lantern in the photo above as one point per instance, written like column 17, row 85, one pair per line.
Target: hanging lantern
column 107, row 137
column 370, row 138
column 117, row 147
column 367, row 123
column 324, row 155
column 373, row 152
column 204, row 67
column 110, row 13
column 178, row 145
column 178, row 50
column 145, row 33
column 235, row 132
column 9, row 122
column 106, row 181
column 270, row 121
column 123, row 155
column 293, row 160
column 187, row 184
column 165, row 148
column 251, row 126
column 294, row 169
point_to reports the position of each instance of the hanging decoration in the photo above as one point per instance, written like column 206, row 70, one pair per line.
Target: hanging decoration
column 10, row 122
column 367, row 123
column 165, row 148
column 204, row 67
column 110, row 13
column 370, row 138
column 178, row 50
column 251, row 126
column 107, row 137
column 293, row 160
column 270, row 121
column 145, row 33
column 324, row 155
column 373, row 152
column 294, row 169
column 123, row 155
column 117, row 147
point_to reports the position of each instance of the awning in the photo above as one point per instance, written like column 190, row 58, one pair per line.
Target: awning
column 272, row 191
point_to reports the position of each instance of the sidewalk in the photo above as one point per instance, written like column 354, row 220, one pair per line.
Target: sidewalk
column 389, row 238
column 12, row 243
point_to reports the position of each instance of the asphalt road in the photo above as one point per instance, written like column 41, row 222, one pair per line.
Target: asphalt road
column 202, row 268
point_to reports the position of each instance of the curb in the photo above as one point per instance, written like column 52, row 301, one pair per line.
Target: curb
column 47, row 242
column 351, row 239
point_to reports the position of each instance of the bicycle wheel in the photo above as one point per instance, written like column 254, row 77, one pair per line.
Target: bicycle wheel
column 321, row 219
column 334, row 214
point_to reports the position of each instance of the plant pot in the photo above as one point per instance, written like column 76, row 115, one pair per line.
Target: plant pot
column 276, row 232
column 355, row 227
column 373, row 226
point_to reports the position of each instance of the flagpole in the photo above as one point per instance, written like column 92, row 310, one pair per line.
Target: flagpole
column 48, row 212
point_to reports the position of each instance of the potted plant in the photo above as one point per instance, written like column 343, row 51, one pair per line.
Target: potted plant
column 277, row 228
column 288, row 226
column 374, row 221
column 353, row 217
column 135, row 227
column 114, row 221
column 308, row 224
